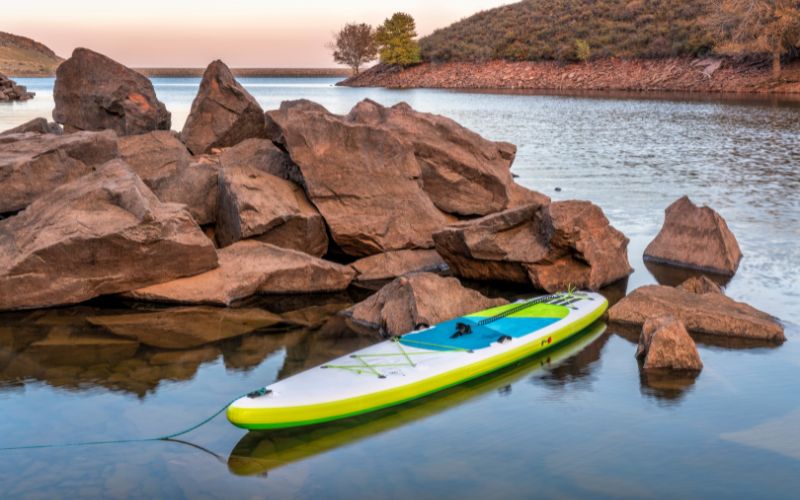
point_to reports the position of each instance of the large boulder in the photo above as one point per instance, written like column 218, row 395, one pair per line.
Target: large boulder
column 33, row 164
column 665, row 344
column 552, row 247
column 264, row 155
column 37, row 125
column 365, row 182
column 462, row 172
column 390, row 265
column 256, row 204
column 94, row 92
column 710, row 313
column 247, row 268
column 167, row 167
column 695, row 237
column 418, row 299
column 154, row 155
column 103, row 233
column 223, row 113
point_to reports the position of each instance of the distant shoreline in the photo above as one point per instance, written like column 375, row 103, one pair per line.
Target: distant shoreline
column 198, row 72
column 707, row 75
column 249, row 72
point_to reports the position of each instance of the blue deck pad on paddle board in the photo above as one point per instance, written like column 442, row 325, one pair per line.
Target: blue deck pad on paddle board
column 438, row 338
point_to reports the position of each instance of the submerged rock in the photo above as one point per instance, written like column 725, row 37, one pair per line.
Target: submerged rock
column 665, row 344
column 364, row 180
column 186, row 327
column 37, row 125
column 94, row 92
column 552, row 247
column 103, row 233
column 695, row 237
column 223, row 113
column 247, row 268
column 389, row 265
column 256, row 204
column 462, row 172
column 418, row 299
column 33, row 164
column 708, row 313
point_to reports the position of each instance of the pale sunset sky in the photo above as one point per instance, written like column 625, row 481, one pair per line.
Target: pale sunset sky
column 243, row 33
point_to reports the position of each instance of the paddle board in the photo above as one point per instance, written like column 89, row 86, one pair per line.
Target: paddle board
column 418, row 363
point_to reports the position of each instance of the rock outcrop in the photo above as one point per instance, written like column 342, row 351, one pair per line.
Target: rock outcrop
column 390, row 265
column 94, row 92
column 665, row 344
column 101, row 234
column 365, row 182
column 552, row 247
column 695, row 237
column 256, row 204
column 186, row 327
column 10, row 91
column 167, row 167
column 416, row 299
column 247, row 268
column 462, row 172
column 33, row 164
column 223, row 113
column 37, row 125
column 706, row 313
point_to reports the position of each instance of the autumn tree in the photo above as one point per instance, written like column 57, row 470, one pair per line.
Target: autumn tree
column 757, row 26
column 397, row 42
column 354, row 45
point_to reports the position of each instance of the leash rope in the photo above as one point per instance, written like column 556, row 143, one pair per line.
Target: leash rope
column 166, row 437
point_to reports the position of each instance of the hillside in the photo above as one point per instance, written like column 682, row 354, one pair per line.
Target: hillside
column 548, row 29
column 20, row 56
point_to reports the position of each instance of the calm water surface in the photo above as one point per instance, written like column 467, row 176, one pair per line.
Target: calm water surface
column 579, row 422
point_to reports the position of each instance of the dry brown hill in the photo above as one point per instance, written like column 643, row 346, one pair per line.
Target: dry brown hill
column 21, row 56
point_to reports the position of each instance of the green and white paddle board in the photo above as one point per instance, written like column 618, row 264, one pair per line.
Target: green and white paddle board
column 418, row 363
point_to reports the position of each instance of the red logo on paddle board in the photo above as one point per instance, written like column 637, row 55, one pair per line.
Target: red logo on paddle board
column 549, row 339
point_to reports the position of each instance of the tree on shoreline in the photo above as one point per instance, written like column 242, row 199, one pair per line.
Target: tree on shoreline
column 396, row 38
column 761, row 26
column 354, row 45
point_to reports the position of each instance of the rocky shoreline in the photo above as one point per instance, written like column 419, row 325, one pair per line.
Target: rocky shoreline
column 11, row 91
column 639, row 75
column 109, row 202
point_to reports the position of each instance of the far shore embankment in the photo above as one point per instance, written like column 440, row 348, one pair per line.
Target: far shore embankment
column 249, row 72
column 644, row 75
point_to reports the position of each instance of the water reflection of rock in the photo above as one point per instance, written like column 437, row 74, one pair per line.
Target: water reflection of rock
column 75, row 348
column 668, row 386
column 674, row 276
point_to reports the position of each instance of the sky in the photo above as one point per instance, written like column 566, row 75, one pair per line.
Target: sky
column 243, row 33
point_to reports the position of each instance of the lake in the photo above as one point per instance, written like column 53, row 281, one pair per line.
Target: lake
column 579, row 422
